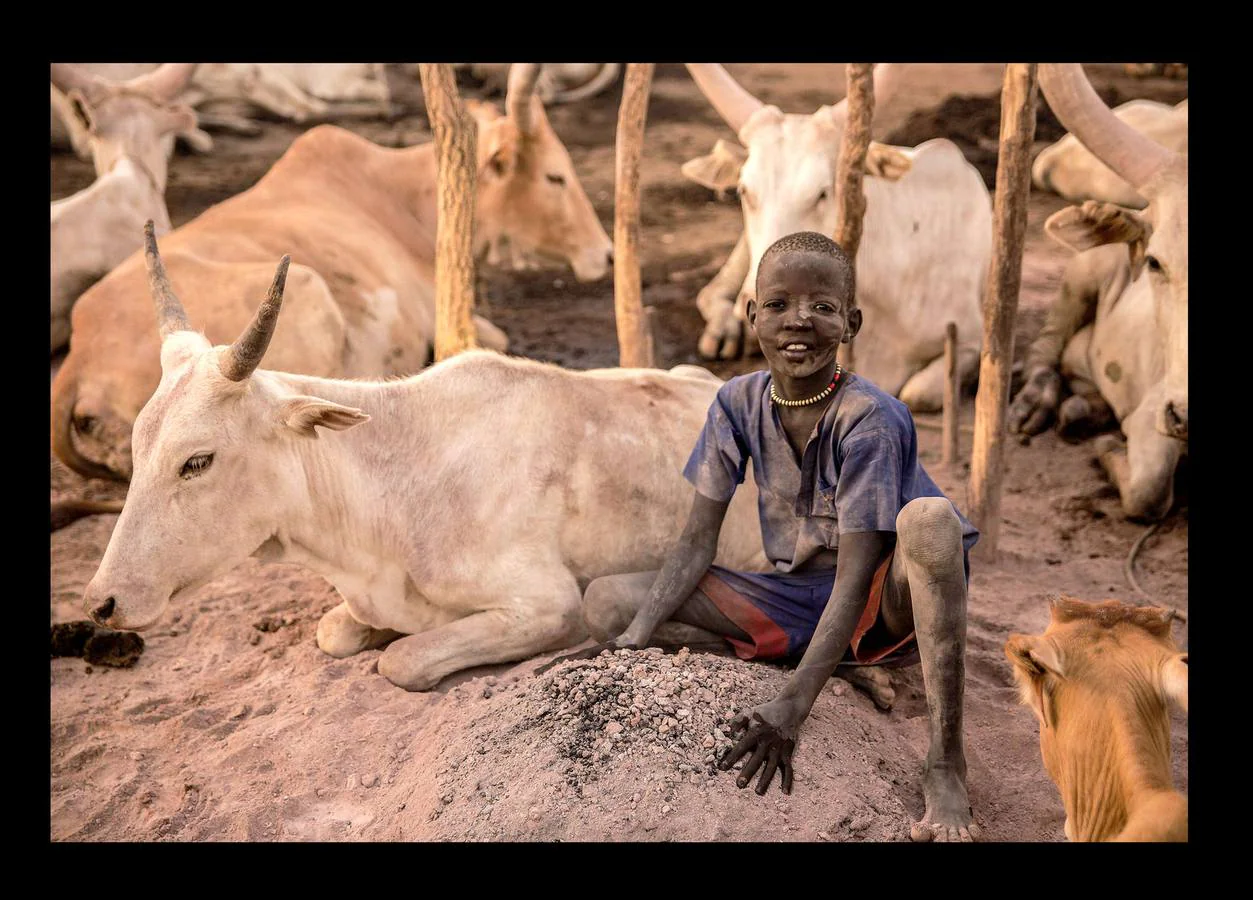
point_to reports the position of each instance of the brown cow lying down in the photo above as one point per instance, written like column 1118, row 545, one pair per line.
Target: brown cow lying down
column 1098, row 680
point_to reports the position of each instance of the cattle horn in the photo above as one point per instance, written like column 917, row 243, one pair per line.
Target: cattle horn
column 241, row 358
column 165, row 83
column 882, row 78
column 724, row 93
column 170, row 314
column 68, row 78
column 1115, row 143
column 522, row 79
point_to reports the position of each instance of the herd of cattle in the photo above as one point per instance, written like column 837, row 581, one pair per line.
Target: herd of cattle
column 177, row 405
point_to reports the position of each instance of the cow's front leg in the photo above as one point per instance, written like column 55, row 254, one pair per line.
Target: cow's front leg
column 725, row 326
column 340, row 635
column 1144, row 470
column 520, row 628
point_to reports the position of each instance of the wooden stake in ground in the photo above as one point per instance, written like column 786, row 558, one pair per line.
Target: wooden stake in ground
column 850, row 200
column 1000, row 304
column 635, row 348
column 952, row 398
column 456, row 152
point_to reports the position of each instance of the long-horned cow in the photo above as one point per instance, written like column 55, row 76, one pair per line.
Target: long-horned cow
column 360, row 219
column 1118, row 331
column 128, row 130
column 1069, row 169
column 924, row 253
column 1099, row 680
column 408, row 502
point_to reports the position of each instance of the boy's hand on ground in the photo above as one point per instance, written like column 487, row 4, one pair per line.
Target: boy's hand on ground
column 770, row 732
column 588, row 653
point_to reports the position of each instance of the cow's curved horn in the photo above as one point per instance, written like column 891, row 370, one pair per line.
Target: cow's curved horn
column 1115, row 143
column 241, row 358
column 69, row 78
column 724, row 94
column 522, row 79
column 170, row 314
column 883, row 77
column 166, row 82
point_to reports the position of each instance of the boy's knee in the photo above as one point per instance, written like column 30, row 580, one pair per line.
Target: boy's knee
column 929, row 532
column 603, row 609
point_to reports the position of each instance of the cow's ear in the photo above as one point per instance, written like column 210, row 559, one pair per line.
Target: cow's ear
column 887, row 162
column 304, row 414
column 1094, row 223
column 719, row 170
column 1036, row 661
column 1175, row 680
column 498, row 148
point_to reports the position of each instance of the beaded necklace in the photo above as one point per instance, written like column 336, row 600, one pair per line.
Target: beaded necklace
column 821, row 395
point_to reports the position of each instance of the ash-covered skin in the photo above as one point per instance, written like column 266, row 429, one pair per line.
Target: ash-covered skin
column 803, row 310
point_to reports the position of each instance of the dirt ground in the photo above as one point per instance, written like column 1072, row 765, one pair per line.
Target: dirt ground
column 232, row 725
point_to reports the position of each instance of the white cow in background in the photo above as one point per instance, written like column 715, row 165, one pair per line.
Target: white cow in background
column 224, row 93
column 128, row 131
column 558, row 82
column 925, row 248
column 1069, row 169
column 1118, row 331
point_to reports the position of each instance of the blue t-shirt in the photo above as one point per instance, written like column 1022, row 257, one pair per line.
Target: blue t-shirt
column 858, row 471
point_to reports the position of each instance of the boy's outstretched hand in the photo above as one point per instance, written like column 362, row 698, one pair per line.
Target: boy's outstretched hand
column 588, row 653
column 770, row 732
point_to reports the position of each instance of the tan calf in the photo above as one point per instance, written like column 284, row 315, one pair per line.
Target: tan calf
column 1098, row 680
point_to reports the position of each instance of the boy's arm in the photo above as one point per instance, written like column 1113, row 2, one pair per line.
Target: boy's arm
column 772, row 727
column 685, row 564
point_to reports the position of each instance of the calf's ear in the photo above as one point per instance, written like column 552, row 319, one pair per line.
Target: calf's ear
column 304, row 414
column 1036, row 660
column 1175, row 680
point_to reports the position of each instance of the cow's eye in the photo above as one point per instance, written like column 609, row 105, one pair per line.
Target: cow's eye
column 1153, row 263
column 196, row 465
column 557, row 179
column 822, row 195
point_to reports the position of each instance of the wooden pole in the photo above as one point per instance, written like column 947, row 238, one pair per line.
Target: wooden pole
column 635, row 348
column 850, row 167
column 1000, row 304
column 456, row 152
column 952, row 397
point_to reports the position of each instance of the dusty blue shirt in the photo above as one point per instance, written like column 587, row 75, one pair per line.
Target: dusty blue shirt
column 858, row 470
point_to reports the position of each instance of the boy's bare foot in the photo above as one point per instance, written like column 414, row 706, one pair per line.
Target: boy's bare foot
column 948, row 816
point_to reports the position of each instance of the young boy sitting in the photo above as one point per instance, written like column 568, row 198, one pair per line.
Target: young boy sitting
column 869, row 555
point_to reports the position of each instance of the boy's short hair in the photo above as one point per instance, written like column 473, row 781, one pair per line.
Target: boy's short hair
column 813, row 242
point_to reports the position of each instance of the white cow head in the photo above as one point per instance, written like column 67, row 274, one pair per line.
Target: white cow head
column 531, row 202
column 136, row 119
column 215, row 462
column 786, row 183
column 1156, row 238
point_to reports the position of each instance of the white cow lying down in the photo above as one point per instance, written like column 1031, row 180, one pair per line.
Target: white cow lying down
column 466, row 506
column 301, row 92
column 1071, row 170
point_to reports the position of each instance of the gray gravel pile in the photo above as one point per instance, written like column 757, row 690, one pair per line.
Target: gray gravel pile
column 646, row 702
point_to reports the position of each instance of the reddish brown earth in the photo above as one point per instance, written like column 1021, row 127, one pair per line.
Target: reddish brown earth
column 233, row 725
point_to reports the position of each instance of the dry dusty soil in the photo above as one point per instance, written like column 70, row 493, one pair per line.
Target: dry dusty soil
column 232, row 725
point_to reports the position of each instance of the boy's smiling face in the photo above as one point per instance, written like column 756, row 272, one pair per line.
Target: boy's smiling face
column 800, row 314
